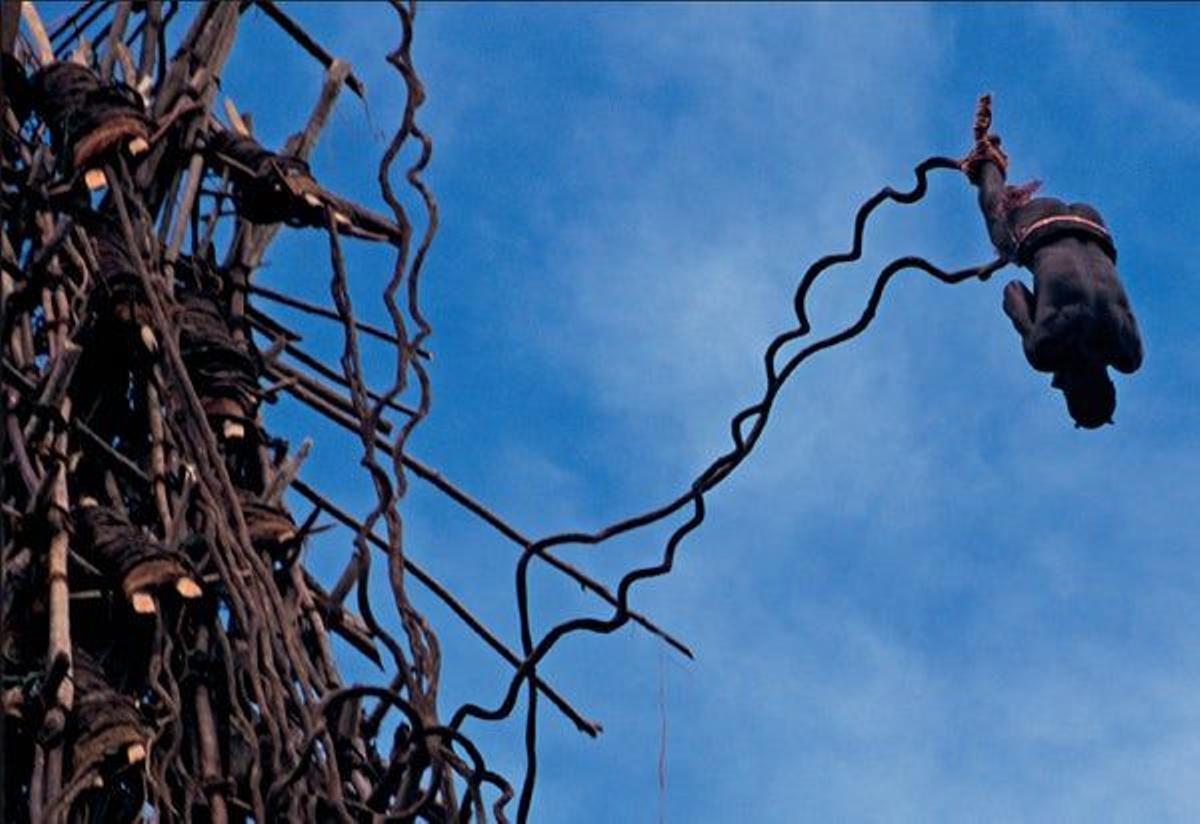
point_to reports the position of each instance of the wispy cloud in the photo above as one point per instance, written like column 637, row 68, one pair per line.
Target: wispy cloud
column 1102, row 43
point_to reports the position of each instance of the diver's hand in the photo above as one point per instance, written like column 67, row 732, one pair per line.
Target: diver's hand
column 987, row 146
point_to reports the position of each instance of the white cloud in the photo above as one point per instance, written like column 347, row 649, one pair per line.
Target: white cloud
column 1102, row 45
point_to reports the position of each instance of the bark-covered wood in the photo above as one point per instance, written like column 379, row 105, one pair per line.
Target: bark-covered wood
column 164, row 650
column 162, row 647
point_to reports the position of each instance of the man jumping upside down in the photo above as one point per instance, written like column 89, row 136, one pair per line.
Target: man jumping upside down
column 1077, row 321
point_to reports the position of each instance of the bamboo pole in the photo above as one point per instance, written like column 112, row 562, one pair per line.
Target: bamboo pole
column 150, row 35
column 37, row 32
column 59, row 651
column 116, row 31
column 158, row 462
column 210, row 754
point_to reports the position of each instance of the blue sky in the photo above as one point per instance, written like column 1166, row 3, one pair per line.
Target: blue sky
column 926, row 596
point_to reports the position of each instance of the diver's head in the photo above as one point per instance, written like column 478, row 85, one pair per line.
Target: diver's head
column 1091, row 396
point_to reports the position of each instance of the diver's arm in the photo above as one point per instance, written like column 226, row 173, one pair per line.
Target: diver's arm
column 990, row 180
column 985, row 166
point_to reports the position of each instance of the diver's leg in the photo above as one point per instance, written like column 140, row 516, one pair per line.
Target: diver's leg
column 1124, row 343
column 1058, row 339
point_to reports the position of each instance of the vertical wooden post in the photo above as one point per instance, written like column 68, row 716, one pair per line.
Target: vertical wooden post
column 158, row 463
